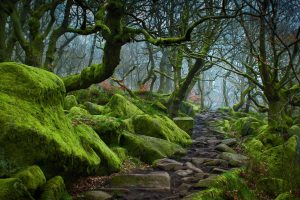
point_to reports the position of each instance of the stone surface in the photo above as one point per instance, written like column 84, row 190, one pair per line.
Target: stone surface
column 218, row 170
column 224, row 148
column 184, row 172
column 230, row 141
column 168, row 164
column 234, row 159
column 190, row 165
column 97, row 195
column 185, row 123
column 159, row 180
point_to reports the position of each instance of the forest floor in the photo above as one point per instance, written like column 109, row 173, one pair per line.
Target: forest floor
column 169, row 178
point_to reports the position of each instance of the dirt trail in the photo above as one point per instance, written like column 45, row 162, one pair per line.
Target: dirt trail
column 173, row 179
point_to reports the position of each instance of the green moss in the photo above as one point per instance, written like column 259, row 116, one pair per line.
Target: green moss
column 273, row 186
column 160, row 127
column 34, row 128
column 185, row 123
column 108, row 128
column 32, row 177
column 13, row 189
column 121, row 152
column 148, row 148
column 109, row 160
column 69, row 102
column 93, row 108
column 209, row 194
column 286, row 196
column 55, row 189
column 121, row 107
column 189, row 108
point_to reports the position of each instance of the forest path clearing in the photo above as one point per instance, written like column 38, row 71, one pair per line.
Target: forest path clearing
column 209, row 155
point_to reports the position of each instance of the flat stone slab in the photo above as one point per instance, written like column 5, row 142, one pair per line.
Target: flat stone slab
column 156, row 180
column 234, row 159
column 168, row 164
column 184, row 172
column 97, row 195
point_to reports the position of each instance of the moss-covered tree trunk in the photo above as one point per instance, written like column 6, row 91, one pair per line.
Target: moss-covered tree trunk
column 179, row 94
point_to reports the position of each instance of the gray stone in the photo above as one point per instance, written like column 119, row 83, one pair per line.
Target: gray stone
column 216, row 162
column 190, row 165
column 224, row 148
column 184, row 187
column 184, row 172
column 230, row 142
column 168, row 164
column 198, row 161
column 158, row 180
column 97, row 195
column 234, row 159
column 219, row 170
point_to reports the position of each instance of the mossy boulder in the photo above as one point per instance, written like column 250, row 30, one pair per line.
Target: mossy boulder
column 69, row 102
column 34, row 128
column 93, row 108
column 55, row 189
column 189, row 108
column 108, row 128
column 119, row 106
column 32, row 177
column 13, row 189
column 148, row 148
column 160, row 127
column 246, row 125
column 185, row 123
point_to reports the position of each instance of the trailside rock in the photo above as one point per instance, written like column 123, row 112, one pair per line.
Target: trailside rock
column 148, row 148
column 224, row 148
column 97, row 195
column 185, row 123
column 93, row 108
column 160, row 127
column 234, row 159
column 168, row 164
column 158, row 180
column 55, row 189
column 32, row 177
column 34, row 128
column 229, row 142
column 13, row 189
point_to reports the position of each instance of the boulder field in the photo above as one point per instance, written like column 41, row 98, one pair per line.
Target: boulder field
column 45, row 135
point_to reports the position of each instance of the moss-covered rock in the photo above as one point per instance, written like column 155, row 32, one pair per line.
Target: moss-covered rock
column 108, row 128
column 246, row 125
column 148, row 148
column 119, row 106
column 13, row 189
column 55, row 189
column 185, row 123
column 189, row 108
column 32, row 177
column 69, row 102
column 160, row 127
column 121, row 152
column 93, row 108
column 34, row 128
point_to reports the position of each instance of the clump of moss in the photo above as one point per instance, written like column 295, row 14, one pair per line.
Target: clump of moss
column 12, row 189
column 32, row 177
column 55, row 189
column 69, row 102
column 152, row 148
column 160, row 127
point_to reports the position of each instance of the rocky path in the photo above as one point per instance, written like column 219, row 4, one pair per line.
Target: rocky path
column 172, row 179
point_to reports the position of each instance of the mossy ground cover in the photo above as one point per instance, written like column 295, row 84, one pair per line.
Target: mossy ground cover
column 274, row 166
